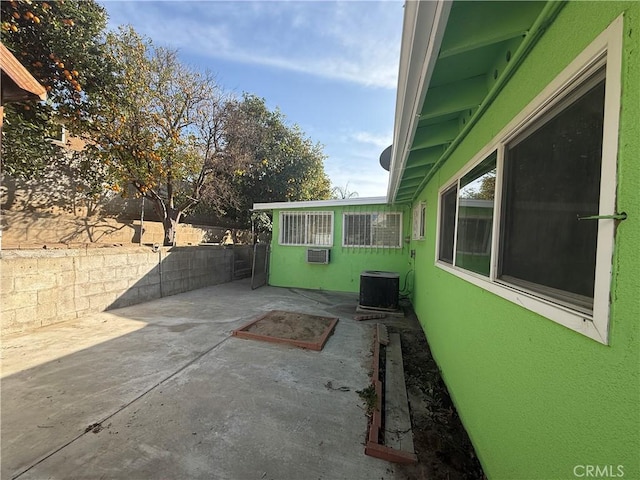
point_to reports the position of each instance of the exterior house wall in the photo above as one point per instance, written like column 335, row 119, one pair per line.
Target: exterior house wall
column 288, row 266
column 538, row 399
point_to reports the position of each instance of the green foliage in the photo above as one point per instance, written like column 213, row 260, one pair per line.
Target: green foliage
column 282, row 164
column 369, row 397
column 60, row 43
column 148, row 120
column 487, row 188
column 26, row 148
column 343, row 192
column 161, row 129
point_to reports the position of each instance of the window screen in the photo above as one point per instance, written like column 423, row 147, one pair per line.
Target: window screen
column 379, row 229
column 552, row 176
column 306, row 228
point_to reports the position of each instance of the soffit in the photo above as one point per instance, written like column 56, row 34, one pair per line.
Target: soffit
column 479, row 41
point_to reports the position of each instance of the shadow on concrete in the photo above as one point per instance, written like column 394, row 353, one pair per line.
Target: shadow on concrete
column 162, row 390
column 182, row 269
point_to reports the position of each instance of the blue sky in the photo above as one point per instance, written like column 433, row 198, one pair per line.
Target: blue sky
column 330, row 67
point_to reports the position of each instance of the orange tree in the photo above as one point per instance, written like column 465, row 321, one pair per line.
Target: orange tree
column 61, row 44
column 160, row 128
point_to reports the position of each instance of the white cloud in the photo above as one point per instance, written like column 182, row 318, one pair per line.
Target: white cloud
column 361, row 171
column 356, row 42
column 368, row 183
column 379, row 141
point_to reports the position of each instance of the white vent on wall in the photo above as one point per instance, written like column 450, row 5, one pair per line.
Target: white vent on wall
column 318, row 255
column 419, row 212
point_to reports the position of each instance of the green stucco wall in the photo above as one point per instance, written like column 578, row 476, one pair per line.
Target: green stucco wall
column 539, row 399
column 288, row 266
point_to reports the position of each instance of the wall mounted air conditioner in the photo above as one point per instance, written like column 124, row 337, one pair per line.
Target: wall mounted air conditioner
column 318, row 255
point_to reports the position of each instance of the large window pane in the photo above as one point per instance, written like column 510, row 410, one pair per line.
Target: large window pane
column 475, row 217
column 447, row 223
column 552, row 176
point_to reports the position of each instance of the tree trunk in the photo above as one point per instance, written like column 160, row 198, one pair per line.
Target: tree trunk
column 170, row 224
column 170, row 217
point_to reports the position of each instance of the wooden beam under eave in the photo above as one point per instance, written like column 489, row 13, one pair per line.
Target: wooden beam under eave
column 409, row 190
column 478, row 24
column 423, row 157
column 454, row 97
column 406, row 193
column 435, row 135
column 412, row 183
column 419, row 174
column 403, row 199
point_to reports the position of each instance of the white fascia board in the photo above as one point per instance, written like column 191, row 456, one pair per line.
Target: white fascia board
column 341, row 202
column 423, row 29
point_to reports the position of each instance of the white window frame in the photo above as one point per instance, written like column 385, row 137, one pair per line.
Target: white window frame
column 606, row 49
column 419, row 221
column 344, row 223
column 308, row 242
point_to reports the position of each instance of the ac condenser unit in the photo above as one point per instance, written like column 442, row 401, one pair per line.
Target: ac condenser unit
column 318, row 255
column 379, row 290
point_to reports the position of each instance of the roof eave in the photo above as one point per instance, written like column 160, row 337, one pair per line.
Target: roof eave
column 27, row 87
column 341, row 202
column 418, row 55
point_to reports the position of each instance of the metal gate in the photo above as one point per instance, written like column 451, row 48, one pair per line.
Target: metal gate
column 260, row 268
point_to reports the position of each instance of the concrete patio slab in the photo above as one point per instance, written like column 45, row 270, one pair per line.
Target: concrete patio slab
column 162, row 390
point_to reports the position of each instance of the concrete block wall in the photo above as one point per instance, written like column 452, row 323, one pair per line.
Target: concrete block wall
column 43, row 287
column 33, row 229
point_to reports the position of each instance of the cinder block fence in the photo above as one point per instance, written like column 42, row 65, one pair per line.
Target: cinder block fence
column 44, row 287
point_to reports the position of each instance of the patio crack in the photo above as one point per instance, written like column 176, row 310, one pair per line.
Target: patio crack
column 111, row 415
column 317, row 300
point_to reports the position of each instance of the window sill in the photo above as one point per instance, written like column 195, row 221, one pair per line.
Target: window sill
column 304, row 245
column 378, row 247
column 565, row 316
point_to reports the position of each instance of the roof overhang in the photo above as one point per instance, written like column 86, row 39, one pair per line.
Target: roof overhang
column 422, row 31
column 455, row 58
column 17, row 83
column 342, row 202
